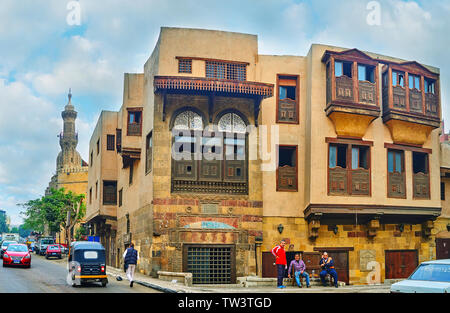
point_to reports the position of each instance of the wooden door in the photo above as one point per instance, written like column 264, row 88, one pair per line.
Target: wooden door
column 312, row 260
column 340, row 264
column 269, row 268
column 442, row 248
column 400, row 263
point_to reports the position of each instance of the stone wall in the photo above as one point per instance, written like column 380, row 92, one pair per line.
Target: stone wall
column 366, row 249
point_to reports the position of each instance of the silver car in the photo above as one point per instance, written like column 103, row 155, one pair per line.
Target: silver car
column 429, row 277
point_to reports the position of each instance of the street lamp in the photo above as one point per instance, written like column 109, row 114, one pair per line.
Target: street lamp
column 280, row 228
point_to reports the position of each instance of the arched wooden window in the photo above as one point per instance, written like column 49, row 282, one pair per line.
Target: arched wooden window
column 232, row 123
column 188, row 120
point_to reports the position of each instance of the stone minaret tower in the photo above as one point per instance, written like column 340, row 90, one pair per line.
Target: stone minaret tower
column 69, row 158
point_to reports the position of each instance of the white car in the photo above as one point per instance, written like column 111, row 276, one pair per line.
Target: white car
column 429, row 277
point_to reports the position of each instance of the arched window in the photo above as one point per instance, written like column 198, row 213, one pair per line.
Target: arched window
column 188, row 120
column 232, row 123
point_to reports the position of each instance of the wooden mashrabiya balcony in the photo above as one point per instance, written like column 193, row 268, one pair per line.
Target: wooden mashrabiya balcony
column 202, row 84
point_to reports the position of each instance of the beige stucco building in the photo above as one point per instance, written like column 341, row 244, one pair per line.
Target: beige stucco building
column 219, row 152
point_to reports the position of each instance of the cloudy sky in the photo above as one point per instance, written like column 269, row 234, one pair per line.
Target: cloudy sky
column 41, row 56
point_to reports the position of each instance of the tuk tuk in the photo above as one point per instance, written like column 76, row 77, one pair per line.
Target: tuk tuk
column 87, row 263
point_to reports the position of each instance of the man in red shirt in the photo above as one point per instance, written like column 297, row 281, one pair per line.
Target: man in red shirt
column 280, row 256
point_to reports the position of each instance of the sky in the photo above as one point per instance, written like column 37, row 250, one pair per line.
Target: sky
column 43, row 53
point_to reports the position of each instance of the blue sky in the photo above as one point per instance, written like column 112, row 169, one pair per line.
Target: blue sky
column 42, row 56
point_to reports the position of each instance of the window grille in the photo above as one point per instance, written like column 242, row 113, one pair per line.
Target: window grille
column 210, row 265
column 110, row 142
column 224, row 70
column 184, row 66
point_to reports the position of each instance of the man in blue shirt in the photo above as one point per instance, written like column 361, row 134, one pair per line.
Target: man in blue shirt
column 131, row 256
column 327, row 265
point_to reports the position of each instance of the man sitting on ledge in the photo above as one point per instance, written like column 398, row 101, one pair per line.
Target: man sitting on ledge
column 327, row 265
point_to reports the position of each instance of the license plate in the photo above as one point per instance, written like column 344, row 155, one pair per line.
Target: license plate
column 53, row 253
column 16, row 261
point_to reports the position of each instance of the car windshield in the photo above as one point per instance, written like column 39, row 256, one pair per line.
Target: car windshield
column 432, row 272
column 7, row 243
column 17, row 248
column 47, row 241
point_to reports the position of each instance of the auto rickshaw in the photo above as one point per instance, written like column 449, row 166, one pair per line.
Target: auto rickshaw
column 87, row 263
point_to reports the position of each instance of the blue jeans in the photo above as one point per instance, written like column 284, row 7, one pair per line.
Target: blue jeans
column 332, row 273
column 280, row 269
column 297, row 278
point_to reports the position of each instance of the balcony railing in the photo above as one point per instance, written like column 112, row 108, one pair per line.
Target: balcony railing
column 338, row 181
column 421, row 186
column 396, row 185
column 432, row 105
column 287, row 178
column 367, row 92
column 201, row 84
column 344, row 88
column 134, row 129
column 360, row 182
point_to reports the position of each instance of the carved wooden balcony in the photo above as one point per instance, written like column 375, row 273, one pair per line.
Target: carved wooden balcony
column 351, row 100
column 410, row 111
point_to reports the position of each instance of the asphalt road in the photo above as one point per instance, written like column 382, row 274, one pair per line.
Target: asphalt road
column 46, row 276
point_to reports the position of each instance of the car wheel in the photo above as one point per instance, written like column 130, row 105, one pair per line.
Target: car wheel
column 4, row 265
column 104, row 283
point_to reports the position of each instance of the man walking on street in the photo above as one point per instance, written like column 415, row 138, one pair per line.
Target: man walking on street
column 280, row 256
column 131, row 256
column 299, row 271
column 327, row 265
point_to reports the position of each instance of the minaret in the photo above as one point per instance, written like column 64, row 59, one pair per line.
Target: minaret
column 68, row 158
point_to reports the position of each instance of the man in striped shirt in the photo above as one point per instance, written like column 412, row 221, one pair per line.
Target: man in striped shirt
column 280, row 260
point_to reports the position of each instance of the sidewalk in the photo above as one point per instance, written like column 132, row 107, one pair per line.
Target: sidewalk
column 170, row 287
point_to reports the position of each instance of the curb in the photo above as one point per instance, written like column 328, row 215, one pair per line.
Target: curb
column 149, row 285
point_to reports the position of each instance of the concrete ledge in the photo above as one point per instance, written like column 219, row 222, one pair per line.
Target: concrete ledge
column 185, row 278
column 255, row 281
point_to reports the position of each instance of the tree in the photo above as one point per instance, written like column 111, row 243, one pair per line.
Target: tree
column 14, row 230
column 3, row 226
column 80, row 233
column 24, row 232
column 58, row 209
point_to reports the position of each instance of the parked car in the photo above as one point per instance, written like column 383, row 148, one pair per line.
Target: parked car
column 4, row 246
column 42, row 244
column 17, row 255
column 429, row 277
column 53, row 251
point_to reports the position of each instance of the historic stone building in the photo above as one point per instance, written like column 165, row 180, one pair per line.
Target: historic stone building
column 71, row 170
column 219, row 152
